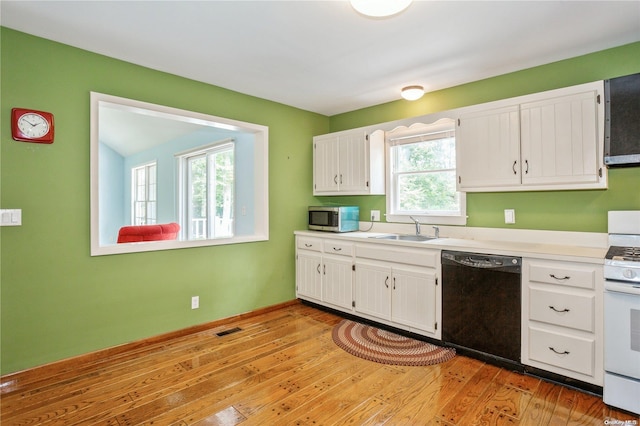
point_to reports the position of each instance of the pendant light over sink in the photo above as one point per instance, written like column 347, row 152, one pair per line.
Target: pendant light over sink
column 380, row 8
column 412, row 93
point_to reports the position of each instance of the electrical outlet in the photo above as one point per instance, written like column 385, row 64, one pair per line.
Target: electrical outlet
column 195, row 302
column 509, row 216
column 375, row 215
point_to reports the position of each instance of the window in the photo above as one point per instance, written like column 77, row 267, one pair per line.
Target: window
column 208, row 203
column 422, row 175
column 126, row 133
column 144, row 194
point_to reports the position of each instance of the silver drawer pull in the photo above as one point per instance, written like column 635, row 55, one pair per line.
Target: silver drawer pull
column 559, row 353
column 337, row 248
column 566, row 277
column 308, row 245
column 557, row 310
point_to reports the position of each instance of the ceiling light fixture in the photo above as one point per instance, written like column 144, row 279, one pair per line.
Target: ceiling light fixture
column 380, row 8
column 412, row 93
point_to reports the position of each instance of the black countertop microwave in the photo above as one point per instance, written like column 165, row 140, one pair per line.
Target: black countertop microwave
column 622, row 121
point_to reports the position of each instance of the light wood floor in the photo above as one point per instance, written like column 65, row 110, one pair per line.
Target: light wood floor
column 282, row 368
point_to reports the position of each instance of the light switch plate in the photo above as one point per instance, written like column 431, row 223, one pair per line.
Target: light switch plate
column 10, row 217
column 509, row 216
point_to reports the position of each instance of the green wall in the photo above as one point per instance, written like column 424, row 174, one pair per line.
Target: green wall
column 584, row 211
column 56, row 300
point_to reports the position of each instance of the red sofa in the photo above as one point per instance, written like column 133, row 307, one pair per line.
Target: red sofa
column 135, row 234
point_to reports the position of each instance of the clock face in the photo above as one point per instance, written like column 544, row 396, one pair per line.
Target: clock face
column 33, row 125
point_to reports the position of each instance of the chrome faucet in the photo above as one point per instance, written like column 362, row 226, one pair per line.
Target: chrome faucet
column 437, row 229
column 417, row 224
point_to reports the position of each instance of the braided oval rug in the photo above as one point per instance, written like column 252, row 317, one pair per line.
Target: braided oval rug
column 385, row 347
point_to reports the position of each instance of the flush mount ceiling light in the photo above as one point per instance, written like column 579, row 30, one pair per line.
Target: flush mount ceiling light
column 380, row 8
column 412, row 93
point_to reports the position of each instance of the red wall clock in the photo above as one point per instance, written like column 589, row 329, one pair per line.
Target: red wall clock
column 28, row 125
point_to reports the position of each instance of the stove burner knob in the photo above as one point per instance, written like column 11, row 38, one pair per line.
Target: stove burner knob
column 629, row 273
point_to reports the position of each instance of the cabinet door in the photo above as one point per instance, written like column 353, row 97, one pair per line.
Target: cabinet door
column 337, row 281
column 308, row 275
column 560, row 140
column 414, row 297
column 354, row 164
column 373, row 289
column 325, row 164
column 489, row 149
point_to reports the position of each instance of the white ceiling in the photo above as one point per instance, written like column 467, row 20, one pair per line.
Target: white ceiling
column 324, row 57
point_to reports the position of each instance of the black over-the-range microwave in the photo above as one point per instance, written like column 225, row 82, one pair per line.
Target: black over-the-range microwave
column 622, row 121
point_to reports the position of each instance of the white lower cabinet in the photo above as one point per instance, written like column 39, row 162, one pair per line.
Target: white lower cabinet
column 398, row 286
column 373, row 289
column 392, row 285
column 309, row 268
column 337, row 280
column 562, row 319
column 413, row 297
column 324, row 271
column 398, row 293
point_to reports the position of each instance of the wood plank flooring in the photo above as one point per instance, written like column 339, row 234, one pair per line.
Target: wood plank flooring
column 282, row 368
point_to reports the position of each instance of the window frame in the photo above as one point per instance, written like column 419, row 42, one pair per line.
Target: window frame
column 413, row 134
column 183, row 181
column 147, row 200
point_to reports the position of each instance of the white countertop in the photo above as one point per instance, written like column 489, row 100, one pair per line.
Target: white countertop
column 592, row 247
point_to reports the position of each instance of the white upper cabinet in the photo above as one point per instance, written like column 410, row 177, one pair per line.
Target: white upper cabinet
column 489, row 148
column 547, row 141
column 348, row 163
column 559, row 139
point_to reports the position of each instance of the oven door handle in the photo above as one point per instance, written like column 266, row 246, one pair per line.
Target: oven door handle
column 619, row 287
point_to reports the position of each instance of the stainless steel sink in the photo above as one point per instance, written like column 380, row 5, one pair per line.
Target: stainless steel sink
column 401, row 237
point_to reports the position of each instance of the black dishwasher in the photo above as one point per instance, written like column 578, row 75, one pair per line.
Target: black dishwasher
column 481, row 303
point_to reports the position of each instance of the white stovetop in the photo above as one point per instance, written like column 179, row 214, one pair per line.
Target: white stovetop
column 560, row 245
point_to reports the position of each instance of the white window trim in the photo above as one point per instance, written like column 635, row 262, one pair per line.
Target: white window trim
column 408, row 135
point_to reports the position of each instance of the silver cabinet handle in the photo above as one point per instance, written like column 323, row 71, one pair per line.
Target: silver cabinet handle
column 337, row 248
column 526, row 171
column 557, row 310
column 308, row 245
column 386, row 282
column 318, row 268
column 394, row 283
column 566, row 277
column 514, row 167
column 335, row 179
column 557, row 352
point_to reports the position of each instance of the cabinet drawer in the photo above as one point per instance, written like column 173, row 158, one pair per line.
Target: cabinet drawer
column 338, row 247
column 308, row 243
column 571, row 275
column 563, row 309
column 562, row 350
